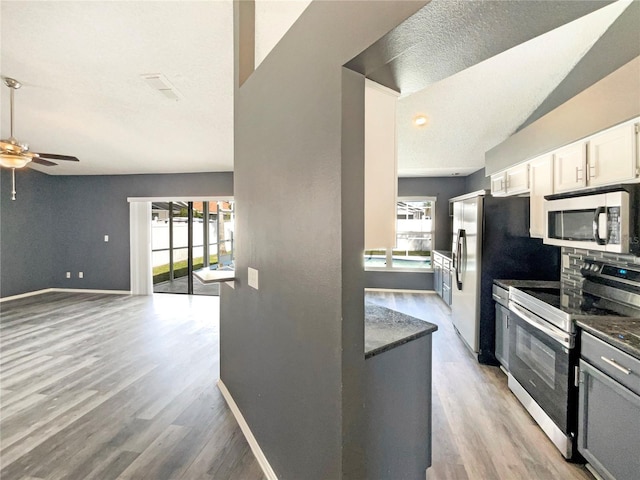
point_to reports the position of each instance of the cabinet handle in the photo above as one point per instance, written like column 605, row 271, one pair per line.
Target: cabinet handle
column 614, row 364
column 592, row 171
column 578, row 170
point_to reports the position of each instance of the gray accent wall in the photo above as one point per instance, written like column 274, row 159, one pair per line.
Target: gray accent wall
column 292, row 353
column 63, row 219
column 477, row 181
column 27, row 252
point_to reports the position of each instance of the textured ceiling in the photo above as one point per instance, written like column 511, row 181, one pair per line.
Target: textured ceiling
column 80, row 63
column 476, row 109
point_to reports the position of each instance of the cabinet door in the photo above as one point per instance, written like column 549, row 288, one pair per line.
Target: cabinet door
column 612, row 156
column 517, row 179
column 608, row 425
column 502, row 335
column 540, row 184
column 498, row 185
column 437, row 279
column 569, row 168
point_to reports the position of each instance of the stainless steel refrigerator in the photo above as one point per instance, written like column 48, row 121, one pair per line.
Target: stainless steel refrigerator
column 491, row 241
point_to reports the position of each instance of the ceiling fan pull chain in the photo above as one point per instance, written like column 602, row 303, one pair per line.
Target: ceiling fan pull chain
column 13, row 177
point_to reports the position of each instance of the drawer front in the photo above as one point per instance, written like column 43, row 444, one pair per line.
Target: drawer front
column 437, row 259
column 446, row 263
column 615, row 363
column 446, row 278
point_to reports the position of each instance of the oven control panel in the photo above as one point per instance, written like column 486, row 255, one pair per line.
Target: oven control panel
column 616, row 272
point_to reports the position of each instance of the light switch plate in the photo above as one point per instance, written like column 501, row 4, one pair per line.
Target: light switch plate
column 106, row 238
column 253, row 278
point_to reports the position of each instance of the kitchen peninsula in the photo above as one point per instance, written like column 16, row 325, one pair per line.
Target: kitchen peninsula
column 397, row 393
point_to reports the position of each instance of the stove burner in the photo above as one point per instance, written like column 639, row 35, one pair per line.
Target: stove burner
column 585, row 305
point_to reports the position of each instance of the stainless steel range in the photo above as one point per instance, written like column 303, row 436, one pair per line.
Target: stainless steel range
column 543, row 358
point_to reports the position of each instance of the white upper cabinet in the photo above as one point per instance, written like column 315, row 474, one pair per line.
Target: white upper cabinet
column 498, row 185
column 602, row 159
column 513, row 181
column 612, row 156
column 569, row 167
column 540, row 184
column 517, row 179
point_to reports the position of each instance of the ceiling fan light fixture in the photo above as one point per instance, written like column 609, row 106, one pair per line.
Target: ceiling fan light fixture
column 12, row 160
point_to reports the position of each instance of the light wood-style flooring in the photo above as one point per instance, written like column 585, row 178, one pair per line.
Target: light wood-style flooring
column 109, row 386
column 112, row 386
column 480, row 431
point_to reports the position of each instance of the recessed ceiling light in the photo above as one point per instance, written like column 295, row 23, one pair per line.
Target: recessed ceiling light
column 420, row 120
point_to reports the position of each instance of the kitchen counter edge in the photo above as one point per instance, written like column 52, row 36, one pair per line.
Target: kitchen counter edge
column 386, row 329
column 444, row 253
column 623, row 333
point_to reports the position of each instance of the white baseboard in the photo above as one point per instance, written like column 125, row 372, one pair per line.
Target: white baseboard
column 244, row 426
column 72, row 290
column 399, row 290
column 24, row 295
column 90, row 290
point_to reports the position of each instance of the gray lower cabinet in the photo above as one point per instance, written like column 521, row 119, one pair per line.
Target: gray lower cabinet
column 502, row 335
column 442, row 277
column 609, row 412
column 446, row 286
column 437, row 276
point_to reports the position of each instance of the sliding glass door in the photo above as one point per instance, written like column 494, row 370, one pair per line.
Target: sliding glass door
column 189, row 238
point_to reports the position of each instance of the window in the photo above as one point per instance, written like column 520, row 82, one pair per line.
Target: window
column 415, row 223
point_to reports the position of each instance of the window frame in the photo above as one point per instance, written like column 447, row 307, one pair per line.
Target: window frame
column 389, row 251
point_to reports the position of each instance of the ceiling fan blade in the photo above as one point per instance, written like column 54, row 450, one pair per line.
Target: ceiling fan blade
column 59, row 157
column 42, row 161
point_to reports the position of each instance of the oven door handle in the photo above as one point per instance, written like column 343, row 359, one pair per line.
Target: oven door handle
column 556, row 334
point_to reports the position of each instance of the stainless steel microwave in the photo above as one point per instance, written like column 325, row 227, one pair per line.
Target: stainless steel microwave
column 604, row 218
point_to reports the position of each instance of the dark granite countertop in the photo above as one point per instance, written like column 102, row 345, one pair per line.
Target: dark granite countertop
column 385, row 329
column 526, row 283
column 444, row 253
column 623, row 333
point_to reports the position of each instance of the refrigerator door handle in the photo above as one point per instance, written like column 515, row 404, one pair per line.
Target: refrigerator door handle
column 458, row 265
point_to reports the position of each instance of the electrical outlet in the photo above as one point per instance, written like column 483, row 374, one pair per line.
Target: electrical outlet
column 80, row 275
column 106, row 238
column 68, row 274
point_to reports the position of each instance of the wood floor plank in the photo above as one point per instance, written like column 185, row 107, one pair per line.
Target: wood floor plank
column 114, row 386
column 107, row 387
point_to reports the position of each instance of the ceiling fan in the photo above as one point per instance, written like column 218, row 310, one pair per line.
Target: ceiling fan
column 14, row 154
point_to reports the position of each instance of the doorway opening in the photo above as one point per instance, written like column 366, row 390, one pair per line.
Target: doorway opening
column 189, row 239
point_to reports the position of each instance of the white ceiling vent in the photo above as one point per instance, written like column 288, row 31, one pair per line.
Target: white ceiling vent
column 159, row 82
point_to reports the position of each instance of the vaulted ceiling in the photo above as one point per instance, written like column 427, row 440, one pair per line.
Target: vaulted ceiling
column 478, row 70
